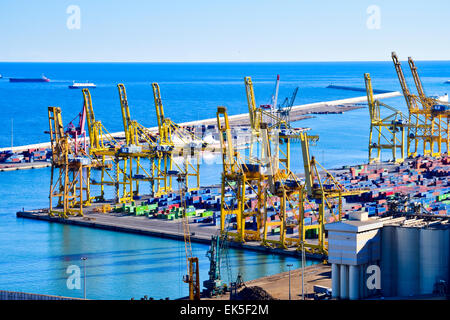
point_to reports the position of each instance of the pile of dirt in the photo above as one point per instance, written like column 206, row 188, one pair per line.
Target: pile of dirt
column 254, row 293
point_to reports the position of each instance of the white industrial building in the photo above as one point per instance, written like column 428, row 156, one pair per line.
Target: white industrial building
column 388, row 257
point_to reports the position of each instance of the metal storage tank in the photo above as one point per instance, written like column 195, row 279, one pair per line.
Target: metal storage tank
column 343, row 281
column 353, row 282
column 408, row 261
column 362, row 281
column 444, row 271
column 388, row 251
column 335, row 283
column 430, row 244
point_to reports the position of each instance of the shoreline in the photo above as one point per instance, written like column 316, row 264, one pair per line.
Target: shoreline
column 25, row 166
column 156, row 228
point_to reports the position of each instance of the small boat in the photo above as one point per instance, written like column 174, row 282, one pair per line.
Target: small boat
column 81, row 85
column 1, row 76
column 41, row 79
column 447, row 82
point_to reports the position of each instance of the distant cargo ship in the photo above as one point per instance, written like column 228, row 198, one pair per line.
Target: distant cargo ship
column 41, row 79
column 81, row 85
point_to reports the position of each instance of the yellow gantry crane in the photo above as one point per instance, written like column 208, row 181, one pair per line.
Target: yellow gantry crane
column 426, row 121
column 71, row 183
column 296, row 195
column 428, row 117
column 123, row 159
column 240, row 177
column 262, row 175
column 132, row 149
column 166, row 144
column 283, row 184
column 174, row 142
column 417, row 133
column 140, row 144
column 387, row 131
column 437, row 112
column 275, row 123
column 102, row 147
column 293, row 198
column 266, row 177
column 327, row 191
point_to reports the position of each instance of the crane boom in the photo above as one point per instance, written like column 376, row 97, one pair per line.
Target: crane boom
column 410, row 102
column 416, row 77
column 275, row 98
column 307, row 163
column 192, row 277
column 81, row 123
column 436, row 117
column 163, row 128
column 252, row 110
column 294, row 95
column 90, row 116
column 417, row 120
column 370, row 98
column 126, row 117
column 226, row 142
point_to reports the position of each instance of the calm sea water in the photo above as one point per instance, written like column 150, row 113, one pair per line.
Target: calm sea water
column 34, row 255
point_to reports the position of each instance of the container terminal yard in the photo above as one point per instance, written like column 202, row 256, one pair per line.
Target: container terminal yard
column 356, row 220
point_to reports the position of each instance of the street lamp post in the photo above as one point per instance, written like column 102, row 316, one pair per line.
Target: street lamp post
column 289, row 266
column 303, row 271
column 84, row 278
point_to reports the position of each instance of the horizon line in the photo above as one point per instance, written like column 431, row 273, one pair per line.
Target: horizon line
column 217, row 61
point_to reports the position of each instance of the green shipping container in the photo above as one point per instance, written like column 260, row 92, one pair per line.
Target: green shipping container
column 170, row 216
column 140, row 211
column 311, row 233
column 276, row 230
column 207, row 214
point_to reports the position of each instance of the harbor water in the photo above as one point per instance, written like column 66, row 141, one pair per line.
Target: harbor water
column 35, row 256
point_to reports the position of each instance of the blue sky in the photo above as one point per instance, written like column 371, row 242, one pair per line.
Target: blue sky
column 199, row 30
